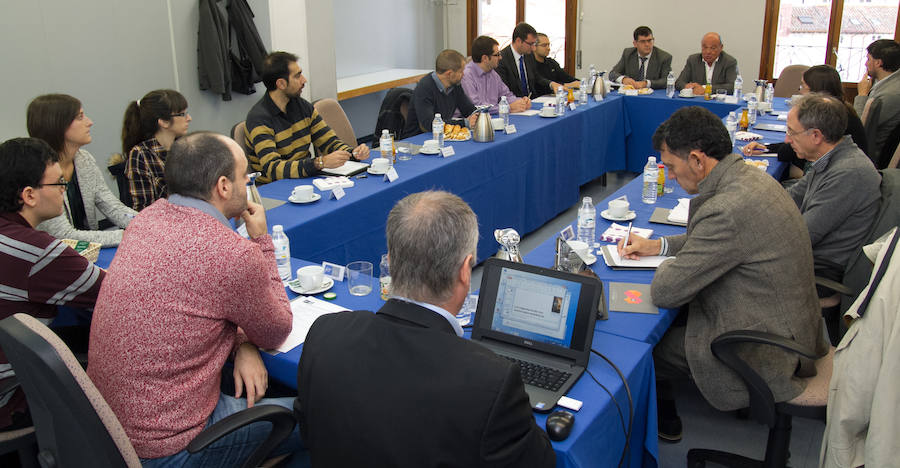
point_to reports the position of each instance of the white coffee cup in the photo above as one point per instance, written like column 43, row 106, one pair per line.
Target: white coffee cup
column 618, row 208
column 548, row 110
column 430, row 146
column 581, row 248
column 380, row 164
column 302, row 192
column 310, row 277
column 497, row 123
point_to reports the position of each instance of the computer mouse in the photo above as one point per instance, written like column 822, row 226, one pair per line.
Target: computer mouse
column 559, row 425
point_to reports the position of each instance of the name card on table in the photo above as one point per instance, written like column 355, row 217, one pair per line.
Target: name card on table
column 510, row 129
column 447, row 151
column 337, row 192
column 391, row 175
column 568, row 233
column 333, row 271
column 572, row 105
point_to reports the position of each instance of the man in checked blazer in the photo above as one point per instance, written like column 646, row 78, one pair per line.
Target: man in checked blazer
column 518, row 56
column 711, row 65
column 656, row 62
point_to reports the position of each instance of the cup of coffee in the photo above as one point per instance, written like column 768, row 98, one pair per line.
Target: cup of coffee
column 380, row 164
column 497, row 123
column 310, row 277
column 430, row 146
column 548, row 110
column 618, row 208
column 302, row 192
column 581, row 248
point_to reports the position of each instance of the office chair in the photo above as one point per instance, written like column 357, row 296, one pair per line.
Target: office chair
column 788, row 82
column 75, row 426
column 116, row 167
column 22, row 441
column 238, row 133
column 763, row 408
column 333, row 115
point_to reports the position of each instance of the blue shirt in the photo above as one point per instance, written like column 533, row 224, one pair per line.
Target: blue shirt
column 438, row 310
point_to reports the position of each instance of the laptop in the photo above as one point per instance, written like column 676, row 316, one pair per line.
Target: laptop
column 541, row 319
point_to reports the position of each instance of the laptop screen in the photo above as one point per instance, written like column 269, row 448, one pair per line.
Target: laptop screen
column 536, row 307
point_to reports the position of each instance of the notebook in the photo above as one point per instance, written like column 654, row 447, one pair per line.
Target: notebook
column 771, row 127
column 538, row 318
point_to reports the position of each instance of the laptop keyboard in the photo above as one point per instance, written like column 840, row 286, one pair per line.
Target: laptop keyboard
column 540, row 376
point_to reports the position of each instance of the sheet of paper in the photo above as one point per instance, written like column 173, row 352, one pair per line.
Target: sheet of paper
column 548, row 99
column 347, row 168
column 612, row 258
column 306, row 309
column 527, row 113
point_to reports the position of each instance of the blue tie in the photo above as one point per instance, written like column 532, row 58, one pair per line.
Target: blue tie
column 522, row 75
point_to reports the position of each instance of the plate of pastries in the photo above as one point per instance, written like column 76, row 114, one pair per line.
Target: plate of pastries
column 456, row 133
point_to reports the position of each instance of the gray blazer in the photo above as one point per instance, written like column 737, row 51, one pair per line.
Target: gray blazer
column 99, row 202
column 883, row 114
column 695, row 72
column 745, row 263
column 657, row 69
column 889, row 85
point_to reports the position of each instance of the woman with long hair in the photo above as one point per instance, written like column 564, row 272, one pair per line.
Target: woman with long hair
column 59, row 120
column 149, row 128
column 817, row 79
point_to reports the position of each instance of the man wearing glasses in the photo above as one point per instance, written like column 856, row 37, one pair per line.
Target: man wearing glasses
column 481, row 82
column 644, row 65
column 517, row 63
column 549, row 69
column 39, row 272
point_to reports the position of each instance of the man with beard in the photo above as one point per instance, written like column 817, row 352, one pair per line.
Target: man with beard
column 281, row 126
column 183, row 294
column 882, row 62
column 440, row 92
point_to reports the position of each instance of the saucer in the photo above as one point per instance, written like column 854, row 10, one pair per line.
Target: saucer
column 424, row 151
column 370, row 171
column 295, row 286
column 547, row 116
column 315, row 197
column 692, row 95
column 628, row 216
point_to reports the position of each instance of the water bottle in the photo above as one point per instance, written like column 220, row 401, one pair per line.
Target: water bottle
column 560, row 101
column 583, row 92
column 738, row 88
column 386, row 145
column 592, row 77
column 651, row 178
column 282, row 251
column 670, row 85
column 731, row 124
column 437, row 130
column 587, row 216
column 770, row 94
column 752, row 106
column 504, row 110
column 384, row 278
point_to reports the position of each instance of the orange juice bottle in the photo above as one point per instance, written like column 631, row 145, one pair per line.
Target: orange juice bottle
column 744, row 123
column 570, row 98
column 707, row 92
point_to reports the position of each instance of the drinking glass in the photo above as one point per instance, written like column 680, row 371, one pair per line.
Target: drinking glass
column 467, row 311
column 403, row 154
column 359, row 278
column 721, row 94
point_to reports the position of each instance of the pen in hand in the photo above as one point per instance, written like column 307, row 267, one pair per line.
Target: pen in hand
column 625, row 240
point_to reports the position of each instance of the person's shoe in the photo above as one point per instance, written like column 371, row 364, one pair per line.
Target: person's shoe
column 669, row 429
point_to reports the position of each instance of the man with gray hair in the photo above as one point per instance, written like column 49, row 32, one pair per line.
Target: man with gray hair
column 840, row 193
column 401, row 387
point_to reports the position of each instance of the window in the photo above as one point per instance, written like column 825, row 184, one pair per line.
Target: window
column 555, row 18
column 836, row 32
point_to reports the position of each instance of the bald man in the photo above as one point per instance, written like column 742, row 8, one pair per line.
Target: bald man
column 712, row 65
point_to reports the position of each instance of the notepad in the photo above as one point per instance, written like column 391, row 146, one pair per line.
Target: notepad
column 613, row 260
column 305, row 310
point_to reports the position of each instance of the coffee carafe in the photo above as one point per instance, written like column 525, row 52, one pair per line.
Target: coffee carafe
column 509, row 245
column 600, row 88
column 761, row 90
column 484, row 130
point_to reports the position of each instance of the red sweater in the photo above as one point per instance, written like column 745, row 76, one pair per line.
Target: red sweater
column 167, row 318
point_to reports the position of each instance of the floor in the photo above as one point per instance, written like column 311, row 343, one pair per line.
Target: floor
column 703, row 425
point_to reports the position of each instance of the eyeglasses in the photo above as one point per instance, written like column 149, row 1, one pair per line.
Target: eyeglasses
column 62, row 183
column 792, row 133
column 646, row 41
column 532, row 43
column 496, row 55
column 179, row 114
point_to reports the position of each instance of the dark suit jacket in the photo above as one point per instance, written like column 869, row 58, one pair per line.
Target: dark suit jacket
column 657, row 70
column 400, row 389
column 509, row 73
column 695, row 72
column 551, row 71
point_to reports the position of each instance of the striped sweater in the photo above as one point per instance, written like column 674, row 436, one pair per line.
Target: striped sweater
column 279, row 141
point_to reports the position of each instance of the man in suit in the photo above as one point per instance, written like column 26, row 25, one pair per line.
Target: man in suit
column 517, row 64
column 744, row 263
column 548, row 68
column 401, row 387
column 644, row 65
column 711, row 65
column 882, row 62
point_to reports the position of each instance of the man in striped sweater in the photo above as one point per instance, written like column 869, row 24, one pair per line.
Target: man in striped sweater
column 37, row 271
column 281, row 126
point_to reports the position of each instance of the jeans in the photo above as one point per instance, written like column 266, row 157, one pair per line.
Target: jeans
column 233, row 449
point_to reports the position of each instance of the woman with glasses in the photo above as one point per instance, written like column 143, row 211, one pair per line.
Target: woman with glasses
column 59, row 120
column 817, row 79
column 150, row 127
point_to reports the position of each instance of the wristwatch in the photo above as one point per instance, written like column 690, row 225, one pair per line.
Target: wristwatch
column 320, row 163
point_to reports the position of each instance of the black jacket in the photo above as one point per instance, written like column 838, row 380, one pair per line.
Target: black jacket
column 509, row 72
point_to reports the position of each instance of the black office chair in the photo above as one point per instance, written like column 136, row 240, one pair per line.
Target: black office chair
column 763, row 408
column 76, row 427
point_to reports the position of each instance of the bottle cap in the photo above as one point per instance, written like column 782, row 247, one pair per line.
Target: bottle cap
column 329, row 296
column 277, row 228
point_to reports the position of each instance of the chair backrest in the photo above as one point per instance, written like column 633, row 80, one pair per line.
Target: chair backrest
column 788, row 82
column 239, row 135
column 116, row 167
column 393, row 112
column 74, row 424
column 333, row 114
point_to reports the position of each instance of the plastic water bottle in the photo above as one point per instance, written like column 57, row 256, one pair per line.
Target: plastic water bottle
column 770, row 94
column 731, row 125
column 738, row 88
column 384, row 278
column 386, row 145
column 282, row 251
column 560, row 101
column 670, row 85
column 651, row 178
column 587, row 216
column 437, row 130
column 752, row 106
column 583, row 92
column 504, row 110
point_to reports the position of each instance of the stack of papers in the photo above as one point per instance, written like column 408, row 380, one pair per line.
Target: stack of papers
column 306, row 309
column 679, row 214
column 613, row 260
column 616, row 232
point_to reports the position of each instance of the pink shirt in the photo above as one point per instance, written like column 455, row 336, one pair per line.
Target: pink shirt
column 167, row 318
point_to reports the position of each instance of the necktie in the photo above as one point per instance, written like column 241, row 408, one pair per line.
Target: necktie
column 642, row 71
column 522, row 79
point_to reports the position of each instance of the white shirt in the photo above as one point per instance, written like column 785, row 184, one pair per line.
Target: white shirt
column 516, row 58
column 710, row 68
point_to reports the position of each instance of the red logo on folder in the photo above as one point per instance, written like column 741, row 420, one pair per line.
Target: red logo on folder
column 633, row 297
